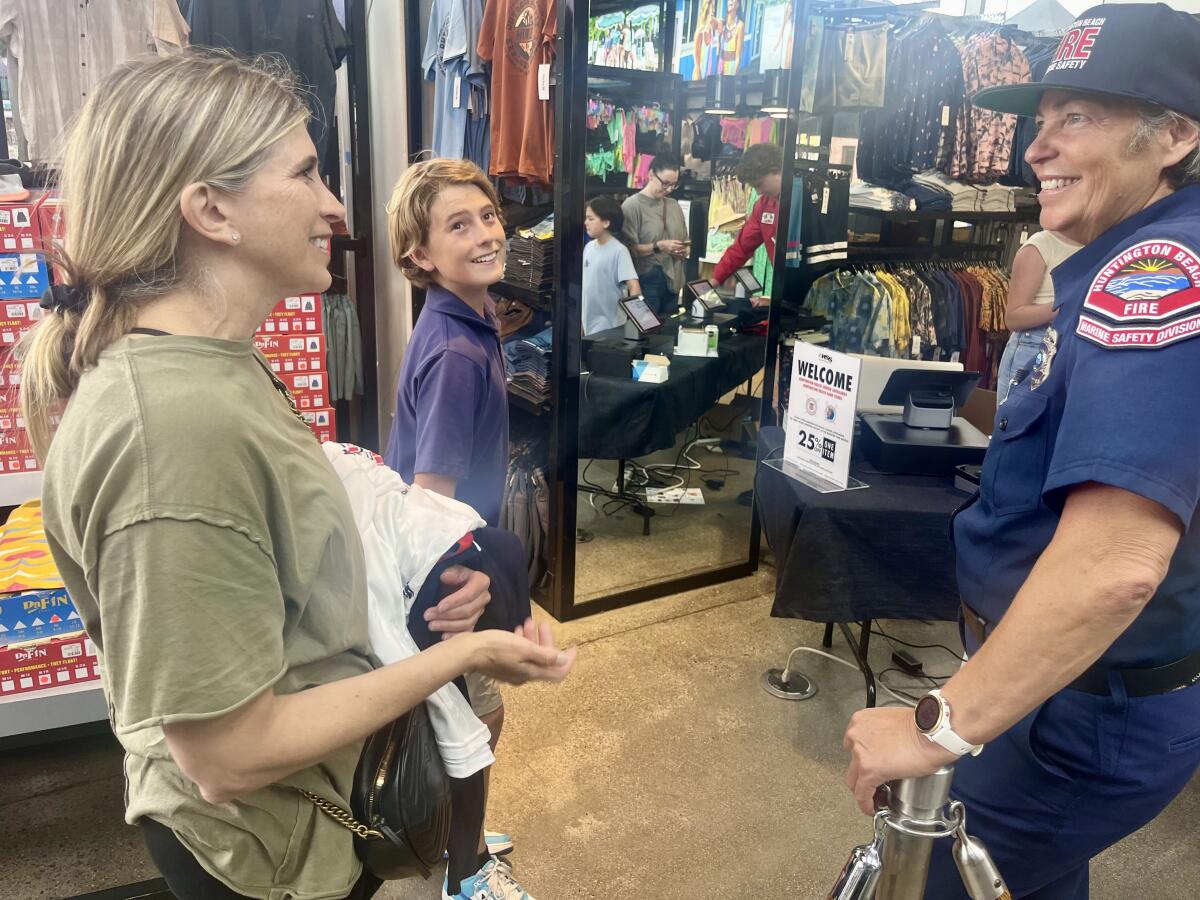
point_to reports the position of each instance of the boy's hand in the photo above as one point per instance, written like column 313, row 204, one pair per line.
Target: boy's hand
column 460, row 611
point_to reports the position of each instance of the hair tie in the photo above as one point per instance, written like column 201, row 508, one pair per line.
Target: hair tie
column 64, row 298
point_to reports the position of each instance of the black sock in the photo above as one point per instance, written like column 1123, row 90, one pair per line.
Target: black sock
column 467, row 799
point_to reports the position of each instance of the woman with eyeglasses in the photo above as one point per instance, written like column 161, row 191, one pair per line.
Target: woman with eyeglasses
column 657, row 233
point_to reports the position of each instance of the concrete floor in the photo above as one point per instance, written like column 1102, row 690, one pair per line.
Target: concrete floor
column 660, row 769
column 684, row 539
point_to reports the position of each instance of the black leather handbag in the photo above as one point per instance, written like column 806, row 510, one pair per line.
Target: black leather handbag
column 400, row 804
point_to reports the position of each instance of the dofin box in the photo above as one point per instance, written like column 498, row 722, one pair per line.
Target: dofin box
column 37, row 615
column 295, row 315
column 15, row 453
column 16, row 318
column 45, row 664
column 289, row 353
column 23, row 275
column 310, row 390
column 19, row 228
column 323, row 423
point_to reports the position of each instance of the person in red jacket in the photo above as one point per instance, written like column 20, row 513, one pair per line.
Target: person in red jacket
column 761, row 168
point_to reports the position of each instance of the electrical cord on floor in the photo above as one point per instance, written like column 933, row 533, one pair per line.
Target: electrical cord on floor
column 900, row 695
column 887, row 637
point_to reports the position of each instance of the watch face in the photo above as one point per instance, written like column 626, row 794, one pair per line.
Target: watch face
column 928, row 713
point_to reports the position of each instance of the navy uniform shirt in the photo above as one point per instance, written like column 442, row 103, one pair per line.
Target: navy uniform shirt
column 1113, row 398
column 452, row 403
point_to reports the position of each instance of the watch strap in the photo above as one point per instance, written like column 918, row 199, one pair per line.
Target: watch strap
column 944, row 734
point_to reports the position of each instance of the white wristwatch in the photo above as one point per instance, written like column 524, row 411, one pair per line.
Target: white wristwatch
column 933, row 721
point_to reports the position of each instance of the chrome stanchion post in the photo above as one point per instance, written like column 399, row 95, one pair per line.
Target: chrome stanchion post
column 895, row 866
column 915, row 805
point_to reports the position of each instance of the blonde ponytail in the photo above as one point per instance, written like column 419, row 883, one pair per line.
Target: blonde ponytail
column 153, row 127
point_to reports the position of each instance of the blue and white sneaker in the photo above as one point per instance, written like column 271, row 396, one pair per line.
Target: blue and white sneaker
column 497, row 843
column 493, row 882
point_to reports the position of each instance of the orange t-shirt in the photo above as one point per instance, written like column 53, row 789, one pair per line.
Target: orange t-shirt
column 517, row 36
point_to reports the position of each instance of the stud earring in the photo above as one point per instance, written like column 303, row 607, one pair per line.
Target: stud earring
column 235, row 237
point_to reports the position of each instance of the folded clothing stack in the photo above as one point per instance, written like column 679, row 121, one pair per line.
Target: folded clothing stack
column 963, row 197
column 1025, row 198
column 928, row 197
column 530, row 261
column 870, row 196
column 999, row 198
column 527, row 363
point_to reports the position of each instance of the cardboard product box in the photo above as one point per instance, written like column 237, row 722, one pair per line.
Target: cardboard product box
column 47, row 664
column 36, row 616
column 16, row 455
column 289, row 353
column 16, row 316
column 323, row 423
column 10, row 414
column 23, row 275
column 52, row 227
column 295, row 315
column 310, row 390
column 19, row 227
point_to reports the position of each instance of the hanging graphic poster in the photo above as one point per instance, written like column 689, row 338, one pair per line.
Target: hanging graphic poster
column 718, row 37
column 627, row 40
column 778, row 24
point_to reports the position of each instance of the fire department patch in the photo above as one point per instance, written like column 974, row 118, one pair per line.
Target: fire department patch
column 1147, row 296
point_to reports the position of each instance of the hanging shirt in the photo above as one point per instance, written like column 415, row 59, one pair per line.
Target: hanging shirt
column 450, row 61
column 1110, row 400
column 517, row 37
column 306, row 33
column 985, row 138
column 759, row 230
column 59, row 52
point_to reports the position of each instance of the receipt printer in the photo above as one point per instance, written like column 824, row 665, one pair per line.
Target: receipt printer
column 696, row 341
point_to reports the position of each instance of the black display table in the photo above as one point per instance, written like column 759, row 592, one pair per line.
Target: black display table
column 850, row 557
column 620, row 418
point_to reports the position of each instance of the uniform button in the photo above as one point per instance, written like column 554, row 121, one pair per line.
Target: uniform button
column 1004, row 424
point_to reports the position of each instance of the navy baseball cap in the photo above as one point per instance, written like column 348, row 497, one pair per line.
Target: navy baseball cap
column 1141, row 51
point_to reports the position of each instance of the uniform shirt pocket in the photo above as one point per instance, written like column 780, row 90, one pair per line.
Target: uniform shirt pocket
column 1015, row 467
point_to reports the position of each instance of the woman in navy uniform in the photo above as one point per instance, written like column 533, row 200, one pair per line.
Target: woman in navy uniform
column 1078, row 563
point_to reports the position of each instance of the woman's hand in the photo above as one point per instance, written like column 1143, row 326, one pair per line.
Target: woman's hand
column 459, row 612
column 674, row 248
column 529, row 654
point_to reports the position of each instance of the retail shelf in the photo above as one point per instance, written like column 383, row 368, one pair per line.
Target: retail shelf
column 543, row 300
column 18, row 487
column 629, row 76
column 933, row 215
column 523, row 404
column 57, row 707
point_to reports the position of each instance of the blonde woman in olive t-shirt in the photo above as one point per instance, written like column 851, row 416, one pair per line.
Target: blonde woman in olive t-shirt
column 204, row 538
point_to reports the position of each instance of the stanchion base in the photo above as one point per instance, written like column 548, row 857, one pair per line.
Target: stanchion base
column 797, row 687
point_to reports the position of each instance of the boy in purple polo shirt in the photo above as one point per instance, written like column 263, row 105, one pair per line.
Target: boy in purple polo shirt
column 450, row 433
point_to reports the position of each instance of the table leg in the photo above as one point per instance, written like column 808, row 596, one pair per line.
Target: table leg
column 827, row 640
column 859, row 649
column 620, row 476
